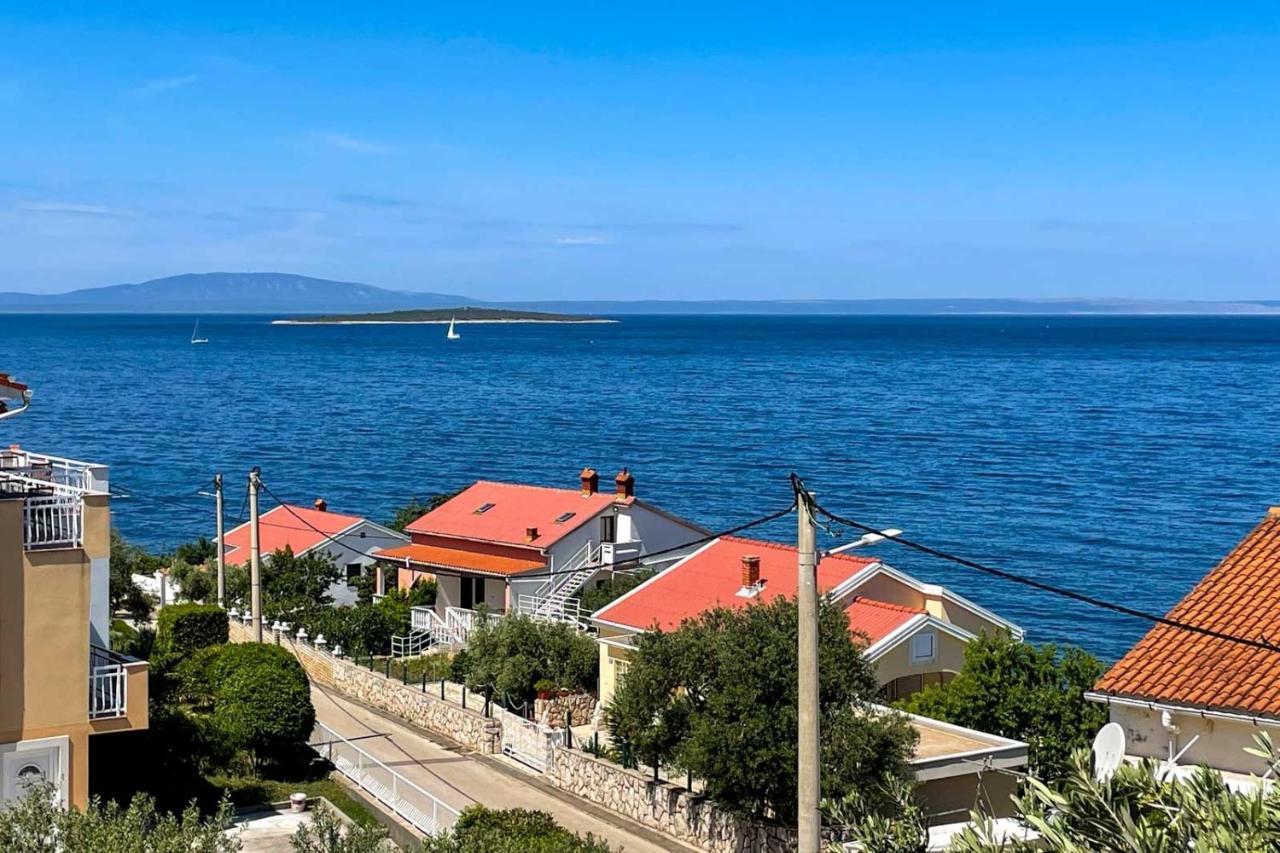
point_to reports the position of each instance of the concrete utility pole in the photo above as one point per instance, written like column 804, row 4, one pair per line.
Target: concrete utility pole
column 807, row 600
column 255, row 558
column 222, row 548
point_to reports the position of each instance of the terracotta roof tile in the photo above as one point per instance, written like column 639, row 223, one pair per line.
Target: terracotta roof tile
column 433, row 557
column 1240, row 597
column 280, row 527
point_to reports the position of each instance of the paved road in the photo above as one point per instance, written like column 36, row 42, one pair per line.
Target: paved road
column 461, row 778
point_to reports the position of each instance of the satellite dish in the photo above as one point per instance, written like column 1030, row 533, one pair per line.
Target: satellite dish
column 1108, row 751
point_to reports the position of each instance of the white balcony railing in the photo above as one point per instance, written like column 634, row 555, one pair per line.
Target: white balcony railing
column 612, row 553
column 52, row 490
column 72, row 473
column 108, row 685
column 53, row 521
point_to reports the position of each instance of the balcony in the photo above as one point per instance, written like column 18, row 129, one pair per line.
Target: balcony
column 612, row 553
column 52, row 490
column 117, row 690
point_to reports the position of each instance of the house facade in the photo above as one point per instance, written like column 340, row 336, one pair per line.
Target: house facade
column 1187, row 698
column 533, row 549
column 350, row 541
column 60, row 685
column 914, row 633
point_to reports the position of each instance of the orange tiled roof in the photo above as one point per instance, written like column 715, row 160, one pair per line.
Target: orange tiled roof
column 432, row 556
column 877, row 619
column 302, row 529
column 501, row 512
column 1240, row 597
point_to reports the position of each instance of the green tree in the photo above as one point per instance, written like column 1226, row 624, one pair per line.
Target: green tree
column 126, row 561
column 415, row 508
column 196, row 553
column 291, row 583
column 1018, row 690
column 613, row 588
column 183, row 628
column 326, row 834
column 262, row 702
column 727, row 679
column 482, row 830
column 36, row 824
column 1137, row 811
column 511, row 655
column 891, row 821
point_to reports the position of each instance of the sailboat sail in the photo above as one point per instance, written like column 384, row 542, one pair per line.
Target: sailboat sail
column 195, row 335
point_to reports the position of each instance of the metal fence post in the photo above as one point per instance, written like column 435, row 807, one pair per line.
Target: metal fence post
column 442, row 689
column 404, row 672
column 568, row 728
column 464, row 697
column 424, row 681
column 386, row 668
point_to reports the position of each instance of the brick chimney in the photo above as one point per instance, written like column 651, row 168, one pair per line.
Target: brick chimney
column 626, row 485
column 590, row 481
column 530, row 534
column 321, row 505
column 750, row 571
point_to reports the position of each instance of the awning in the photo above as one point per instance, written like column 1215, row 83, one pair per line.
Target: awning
column 433, row 557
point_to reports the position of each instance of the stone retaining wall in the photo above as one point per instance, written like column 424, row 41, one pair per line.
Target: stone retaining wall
column 551, row 712
column 408, row 702
column 667, row 808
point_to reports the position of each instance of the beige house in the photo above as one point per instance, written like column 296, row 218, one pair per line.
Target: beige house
column 59, row 684
column 915, row 633
column 1190, row 699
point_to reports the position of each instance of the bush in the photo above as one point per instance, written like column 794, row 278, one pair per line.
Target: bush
column 261, row 701
column 608, row 591
column 183, row 628
column 510, row 656
column 482, row 830
column 327, row 834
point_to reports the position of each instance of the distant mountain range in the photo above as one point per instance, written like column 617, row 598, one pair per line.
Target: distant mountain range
column 288, row 294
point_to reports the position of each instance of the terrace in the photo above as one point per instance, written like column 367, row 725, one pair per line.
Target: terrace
column 52, row 490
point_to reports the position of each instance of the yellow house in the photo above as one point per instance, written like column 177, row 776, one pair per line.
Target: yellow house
column 59, row 683
column 915, row 633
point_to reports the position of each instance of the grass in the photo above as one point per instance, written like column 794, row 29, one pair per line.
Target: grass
column 247, row 791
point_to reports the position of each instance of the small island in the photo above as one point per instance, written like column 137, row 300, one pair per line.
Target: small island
column 442, row 316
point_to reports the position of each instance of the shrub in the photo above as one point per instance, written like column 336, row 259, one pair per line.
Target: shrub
column 327, row 834
column 482, row 830
column 183, row 628
column 261, row 701
column 614, row 588
column 510, row 656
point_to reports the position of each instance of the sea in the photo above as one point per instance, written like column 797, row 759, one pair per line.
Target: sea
column 1120, row 457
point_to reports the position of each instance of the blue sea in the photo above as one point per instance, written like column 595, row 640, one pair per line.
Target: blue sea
column 1121, row 457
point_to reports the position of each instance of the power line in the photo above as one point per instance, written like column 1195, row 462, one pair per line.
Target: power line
column 291, row 511
column 1050, row 588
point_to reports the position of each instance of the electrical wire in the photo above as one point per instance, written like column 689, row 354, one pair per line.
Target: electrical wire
column 1062, row 592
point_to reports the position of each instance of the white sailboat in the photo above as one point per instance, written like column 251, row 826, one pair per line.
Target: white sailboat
column 195, row 335
column 453, row 333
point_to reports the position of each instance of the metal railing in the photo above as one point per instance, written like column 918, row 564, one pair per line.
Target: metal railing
column 108, row 684
column 549, row 609
column 72, row 473
column 53, row 521
column 406, row 799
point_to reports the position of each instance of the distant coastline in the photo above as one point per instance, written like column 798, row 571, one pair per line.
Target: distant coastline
column 440, row 316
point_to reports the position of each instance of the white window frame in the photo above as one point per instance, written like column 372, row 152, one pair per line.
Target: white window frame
column 931, row 654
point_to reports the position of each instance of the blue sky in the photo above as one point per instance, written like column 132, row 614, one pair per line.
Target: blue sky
column 658, row 151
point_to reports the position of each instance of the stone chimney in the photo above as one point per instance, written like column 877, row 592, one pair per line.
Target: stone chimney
column 590, row 481
column 626, row 485
column 321, row 505
column 530, row 534
column 750, row 571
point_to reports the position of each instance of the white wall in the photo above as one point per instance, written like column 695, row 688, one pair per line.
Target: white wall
column 364, row 539
column 1221, row 743
column 100, row 602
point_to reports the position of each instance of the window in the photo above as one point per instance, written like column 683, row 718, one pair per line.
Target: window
column 354, row 570
column 565, row 516
column 472, row 593
column 608, row 528
column 483, row 508
column 924, row 647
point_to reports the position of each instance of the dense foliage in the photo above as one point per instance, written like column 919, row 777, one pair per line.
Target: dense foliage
column 261, row 701
column 717, row 698
column 481, row 830
column 1032, row 693
column 615, row 587
column 183, row 628
column 513, row 657
column 1138, row 812
column 35, row 824
column 126, row 561
column 291, row 584
column 195, row 553
column 326, row 834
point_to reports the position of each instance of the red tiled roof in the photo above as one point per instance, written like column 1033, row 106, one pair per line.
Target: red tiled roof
column 432, row 556
column 279, row 527
column 1240, row 597
column 877, row 619
column 713, row 576
column 515, row 508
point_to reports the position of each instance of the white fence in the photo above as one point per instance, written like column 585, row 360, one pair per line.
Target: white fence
column 108, row 684
column 53, row 521
column 406, row 799
column 527, row 741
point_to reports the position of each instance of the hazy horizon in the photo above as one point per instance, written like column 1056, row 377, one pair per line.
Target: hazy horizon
column 686, row 152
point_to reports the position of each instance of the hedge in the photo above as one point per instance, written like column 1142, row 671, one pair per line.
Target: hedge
column 261, row 700
column 183, row 628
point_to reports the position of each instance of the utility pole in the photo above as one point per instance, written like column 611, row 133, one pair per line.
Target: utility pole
column 222, row 549
column 807, row 604
column 255, row 557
